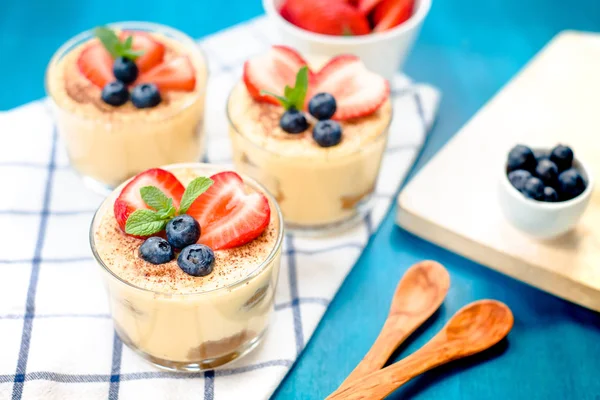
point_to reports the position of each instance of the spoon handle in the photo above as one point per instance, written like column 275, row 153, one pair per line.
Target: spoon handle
column 379, row 384
column 419, row 293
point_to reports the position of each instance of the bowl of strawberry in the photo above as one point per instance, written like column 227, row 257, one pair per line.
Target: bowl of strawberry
column 544, row 192
column 380, row 32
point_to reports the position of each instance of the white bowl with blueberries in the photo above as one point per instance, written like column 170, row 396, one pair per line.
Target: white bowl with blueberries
column 544, row 192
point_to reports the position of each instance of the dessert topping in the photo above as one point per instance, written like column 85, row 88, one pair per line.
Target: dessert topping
column 152, row 51
column 196, row 260
column 182, row 231
column 228, row 215
column 145, row 95
column 125, row 70
column 115, row 93
column 356, row 91
column 156, row 250
column 293, row 121
column 272, row 72
column 327, row 133
column 322, row 106
column 175, row 74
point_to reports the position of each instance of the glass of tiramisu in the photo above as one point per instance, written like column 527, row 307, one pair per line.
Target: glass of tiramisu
column 190, row 255
column 128, row 97
column 314, row 138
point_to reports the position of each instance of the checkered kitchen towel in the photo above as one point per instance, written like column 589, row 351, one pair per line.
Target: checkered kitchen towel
column 56, row 335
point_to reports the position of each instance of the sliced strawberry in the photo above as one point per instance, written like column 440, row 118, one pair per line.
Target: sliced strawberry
column 130, row 199
column 228, row 216
column 96, row 64
column 154, row 51
column 272, row 71
column 327, row 17
column 365, row 6
column 175, row 74
column 391, row 13
column 357, row 91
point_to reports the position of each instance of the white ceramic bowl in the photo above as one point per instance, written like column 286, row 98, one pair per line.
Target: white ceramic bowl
column 383, row 53
column 539, row 219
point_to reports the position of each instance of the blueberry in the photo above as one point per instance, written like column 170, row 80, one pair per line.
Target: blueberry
column 293, row 121
column 145, row 95
column 570, row 184
column 156, row 250
column 115, row 93
column 182, row 231
column 125, row 69
column 196, row 260
column 322, row 106
column 534, row 188
column 541, row 155
column 547, row 171
column 521, row 157
column 518, row 178
column 562, row 156
column 327, row 133
column 550, row 194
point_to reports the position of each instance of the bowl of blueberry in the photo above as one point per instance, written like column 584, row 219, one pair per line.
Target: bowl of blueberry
column 544, row 192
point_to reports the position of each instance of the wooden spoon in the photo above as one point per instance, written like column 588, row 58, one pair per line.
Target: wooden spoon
column 420, row 292
column 472, row 329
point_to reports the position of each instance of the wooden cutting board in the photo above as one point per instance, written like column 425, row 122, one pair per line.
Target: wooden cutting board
column 453, row 200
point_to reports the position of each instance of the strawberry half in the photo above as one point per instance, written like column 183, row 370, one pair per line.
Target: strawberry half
column 175, row 74
column 357, row 91
column 228, row 216
column 130, row 199
column 154, row 51
column 272, row 71
column 391, row 13
column 327, row 17
column 365, row 6
column 96, row 64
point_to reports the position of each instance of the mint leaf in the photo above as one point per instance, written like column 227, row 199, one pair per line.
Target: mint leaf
column 293, row 97
column 145, row 223
column 115, row 46
column 109, row 40
column 168, row 213
column 155, row 198
column 192, row 191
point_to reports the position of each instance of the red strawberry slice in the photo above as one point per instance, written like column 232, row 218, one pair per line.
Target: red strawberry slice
column 327, row 17
column 96, row 64
column 154, row 51
column 365, row 6
column 130, row 199
column 357, row 91
column 228, row 216
column 391, row 13
column 175, row 74
column 272, row 71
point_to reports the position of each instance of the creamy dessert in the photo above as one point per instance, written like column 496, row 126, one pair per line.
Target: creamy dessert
column 321, row 165
column 128, row 98
column 190, row 264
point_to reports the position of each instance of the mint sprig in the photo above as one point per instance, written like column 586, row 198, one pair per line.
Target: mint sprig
column 293, row 97
column 115, row 46
column 146, row 222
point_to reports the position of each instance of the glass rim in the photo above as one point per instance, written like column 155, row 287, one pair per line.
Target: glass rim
column 255, row 272
column 360, row 149
column 153, row 27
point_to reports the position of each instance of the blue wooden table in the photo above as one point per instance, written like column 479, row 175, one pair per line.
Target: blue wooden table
column 469, row 49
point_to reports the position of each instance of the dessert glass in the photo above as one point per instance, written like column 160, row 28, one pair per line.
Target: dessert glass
column 106, row 148
column 194, row 331
column 317, row 195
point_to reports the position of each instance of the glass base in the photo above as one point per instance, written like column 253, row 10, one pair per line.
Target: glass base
column 201, row 365
column 330, row 229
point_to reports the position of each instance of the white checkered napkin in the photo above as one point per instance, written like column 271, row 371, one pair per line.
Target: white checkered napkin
column 56, row 335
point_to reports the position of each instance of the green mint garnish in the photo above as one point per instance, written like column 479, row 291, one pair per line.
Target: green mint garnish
column 148, row 222
column 145, row 223
column 194, row 189
column 115, row 46
column 293, row 97
column 347, row 31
